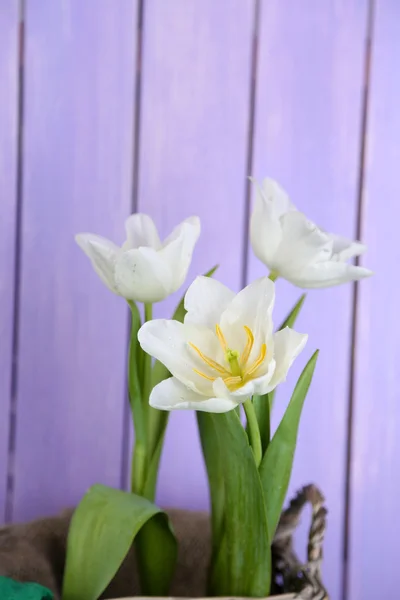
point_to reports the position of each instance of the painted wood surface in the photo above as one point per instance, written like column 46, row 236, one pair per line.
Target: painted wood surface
column 374, row 525
column 9, row 53
column 78, row 156
column 193, row 152
column 307, row 136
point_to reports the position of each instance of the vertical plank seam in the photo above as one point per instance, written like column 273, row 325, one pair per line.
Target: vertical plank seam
column 250, row 139
column 138, row 49
column 356, row 295
column 8, row 511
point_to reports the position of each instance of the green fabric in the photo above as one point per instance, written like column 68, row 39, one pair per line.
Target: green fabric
column 12, row 590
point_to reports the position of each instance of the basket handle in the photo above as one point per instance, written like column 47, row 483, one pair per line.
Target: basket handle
column 303, row 579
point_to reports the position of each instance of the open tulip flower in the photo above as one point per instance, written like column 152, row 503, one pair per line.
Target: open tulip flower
column 296, row 249
column 224, row 352
column 144, row 269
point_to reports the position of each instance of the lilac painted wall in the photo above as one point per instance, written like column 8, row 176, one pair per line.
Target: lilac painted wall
column 308, row 136
column 374, row 528
column 77, row 176
column 162, row 119
column 9, row 67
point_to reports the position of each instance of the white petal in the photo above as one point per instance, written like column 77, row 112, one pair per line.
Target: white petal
column 265, row 229
column 346, row 249
column 205, row 301
column 168, row 341
column 103, row 255
column 217, row 405
column 141, row 231
column 328, row 274
column 275, row 194
column 178, row 249
column 252, row 307
column 303, row 243
column 262, row 384
column 142, row 275
column 240, row 395
column 171, row 394
column 288, row 345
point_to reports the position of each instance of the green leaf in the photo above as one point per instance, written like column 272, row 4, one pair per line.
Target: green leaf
column 242, row 566
column 262, row 410
column 215, row 473
column 149, row 490
column 294, row 313
column 102, row 530
column 263, row 404
column 276, row 466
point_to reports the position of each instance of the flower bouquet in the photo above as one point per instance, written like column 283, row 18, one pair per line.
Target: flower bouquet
column 220, row 356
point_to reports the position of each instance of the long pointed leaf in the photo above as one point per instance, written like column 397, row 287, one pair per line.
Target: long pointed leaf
column 276, row 466
column 262, row 410
column 263, row 404
column 102, row 530
column 149, row 490
column 215, row 473
column 294, row 313
column 243, row 563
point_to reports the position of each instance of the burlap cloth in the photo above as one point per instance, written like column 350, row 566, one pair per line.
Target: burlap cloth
column 36, row 552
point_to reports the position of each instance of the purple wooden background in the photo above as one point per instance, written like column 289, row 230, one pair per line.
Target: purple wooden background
column 166, row 106
column 9, row 70
column 77, row 175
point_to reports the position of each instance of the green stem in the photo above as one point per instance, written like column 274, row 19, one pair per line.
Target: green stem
column 273, row 276
column 135, row 398
column 148, row 315
column 254, row 431
column 153, row 415
column 138, row 473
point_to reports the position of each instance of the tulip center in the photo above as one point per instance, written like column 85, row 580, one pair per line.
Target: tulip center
column 232, row 358
column 236, row 371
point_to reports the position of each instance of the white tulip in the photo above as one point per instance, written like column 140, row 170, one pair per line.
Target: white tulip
column 295, row 248
column 144, row 269
column 224, row 352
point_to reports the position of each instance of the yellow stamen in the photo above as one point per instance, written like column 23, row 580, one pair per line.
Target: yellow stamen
column 232, row 381
column 257, row 362
column 204, row 375
column 209, row 361
column 248, row 348
column 221, row 338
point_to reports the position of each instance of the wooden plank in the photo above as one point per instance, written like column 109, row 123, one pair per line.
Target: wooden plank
column 375, row 529
column 307, row 136
column 78, row 156
column 194, row 127
column 9, row 22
